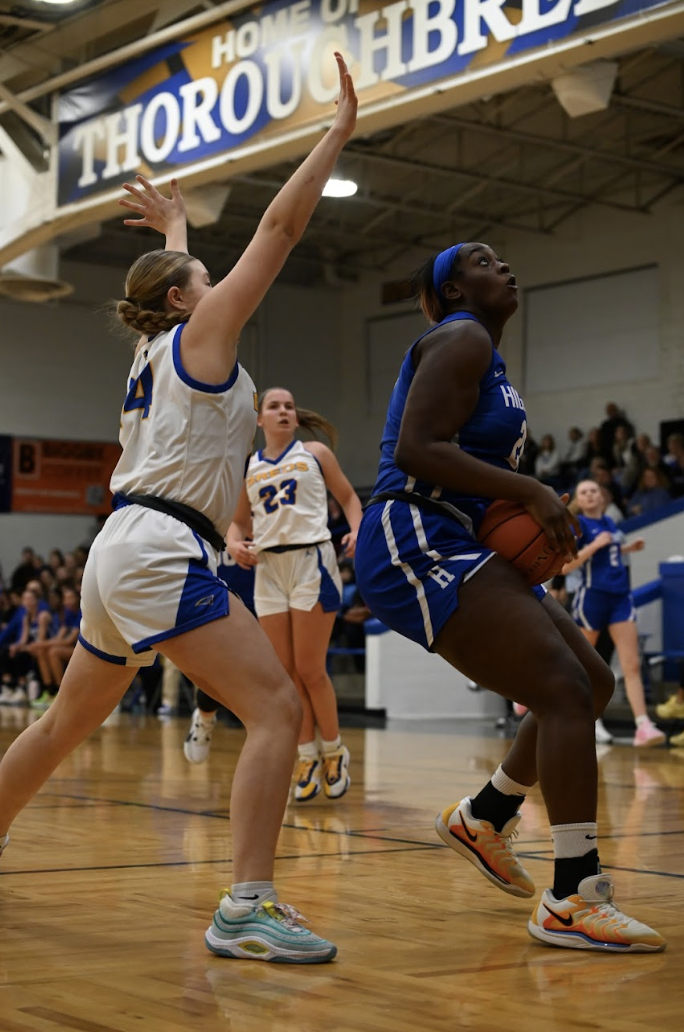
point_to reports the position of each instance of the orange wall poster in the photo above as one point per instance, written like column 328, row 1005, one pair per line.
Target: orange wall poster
column 62, row 477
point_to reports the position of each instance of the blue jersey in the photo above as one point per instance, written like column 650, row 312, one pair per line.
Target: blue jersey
column 494, row 433
column 605, row 570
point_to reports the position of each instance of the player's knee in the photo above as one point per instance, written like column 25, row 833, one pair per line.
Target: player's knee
column 287, row 708
column 603, row 686
column 568, row 691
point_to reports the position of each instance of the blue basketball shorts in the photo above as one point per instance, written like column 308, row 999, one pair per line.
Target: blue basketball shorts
column 148, row 578
column 410, row 564
column 594, row 609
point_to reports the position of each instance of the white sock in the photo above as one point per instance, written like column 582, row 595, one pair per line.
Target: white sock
column 308, row 750
column 332, row 746
column 573, row 840
column 506, row 785
column 644, row 719
column 251, row 893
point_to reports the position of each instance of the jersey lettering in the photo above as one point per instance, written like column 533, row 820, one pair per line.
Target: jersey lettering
column 270, row 492
column 513, row 459
column 140, row 392
column 511, row 397
column 443, row 577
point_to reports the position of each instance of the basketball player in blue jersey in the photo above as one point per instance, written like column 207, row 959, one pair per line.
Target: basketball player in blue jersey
column 604, row 599
column 150, row 582
column 452, row 441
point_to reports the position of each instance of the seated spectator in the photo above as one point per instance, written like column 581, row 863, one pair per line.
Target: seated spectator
column 574, row 458
column 615, row 417
column 547, row 463
column 594, row 446
column 529, row 455
column 674, row 460
column 651, row 493
column 635, row 465
column 623, row 450
column 17, row 662
column 337, row 524
column 610, row 508
column 25, row 571
column 349, row 628
column 598, row 471
column 53, row 652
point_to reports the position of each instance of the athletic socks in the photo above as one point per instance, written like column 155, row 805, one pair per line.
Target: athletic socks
column 252, row 893
column 575, row 856
column 499, row 800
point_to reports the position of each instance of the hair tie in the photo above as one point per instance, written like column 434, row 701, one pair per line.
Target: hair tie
column 442, row 266
column 131, row 300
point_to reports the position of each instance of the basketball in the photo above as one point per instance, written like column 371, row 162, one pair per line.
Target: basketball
column 509, row 530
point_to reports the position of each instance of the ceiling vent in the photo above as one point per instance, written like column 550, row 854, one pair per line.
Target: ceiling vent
column 34, row 277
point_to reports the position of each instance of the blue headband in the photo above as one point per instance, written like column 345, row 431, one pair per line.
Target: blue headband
column 442, row 266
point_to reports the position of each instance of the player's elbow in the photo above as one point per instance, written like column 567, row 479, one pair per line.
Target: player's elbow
column 409, row 457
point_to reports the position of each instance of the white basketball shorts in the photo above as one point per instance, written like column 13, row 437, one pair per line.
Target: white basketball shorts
column 148, row 577
column 297, row 580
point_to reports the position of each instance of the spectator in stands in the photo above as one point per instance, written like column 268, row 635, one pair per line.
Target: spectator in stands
column 53, row 652
column 337, row 524
column 547, row 464
column 25, row 571
column 651, row 493
column 598, row 471
column 623, row 450
column 674, row 460
column 609, row 507
column 529, row 455
column 575, row 456
column 17, row 661
column 594, row 447
column 615, row 417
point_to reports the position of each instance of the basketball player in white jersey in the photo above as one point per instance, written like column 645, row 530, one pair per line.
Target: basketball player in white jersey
column 281, row 526
column 150, row 583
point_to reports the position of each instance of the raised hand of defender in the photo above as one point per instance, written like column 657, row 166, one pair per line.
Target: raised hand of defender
column 155, row 210
column 347, row 102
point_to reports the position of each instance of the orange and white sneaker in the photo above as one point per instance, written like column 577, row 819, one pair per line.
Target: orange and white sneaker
column 307, row 779
column 487, row 849
column 589, row 920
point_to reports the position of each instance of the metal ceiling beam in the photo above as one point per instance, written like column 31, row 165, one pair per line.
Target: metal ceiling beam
column 26, row 23
column 590, row 153
column 140, row 46
column 46, row 130
column 507, row 184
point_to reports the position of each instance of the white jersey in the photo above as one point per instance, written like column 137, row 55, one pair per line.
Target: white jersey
column 184, row 440
column 288, row 498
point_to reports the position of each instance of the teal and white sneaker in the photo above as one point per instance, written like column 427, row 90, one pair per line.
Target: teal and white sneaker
column 269, row 931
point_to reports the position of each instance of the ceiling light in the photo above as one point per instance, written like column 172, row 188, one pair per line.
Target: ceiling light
column 340, row 188
column 56, row 1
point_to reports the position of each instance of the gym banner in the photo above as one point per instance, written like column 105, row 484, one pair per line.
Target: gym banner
column 62, row 477
column 269, row 71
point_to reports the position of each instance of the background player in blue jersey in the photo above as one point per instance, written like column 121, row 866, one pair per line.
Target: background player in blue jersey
column 452, row 442
column 604, row 599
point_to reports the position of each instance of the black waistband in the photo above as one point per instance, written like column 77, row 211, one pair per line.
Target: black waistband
column 292, row 548
column 423, row 502
column 197, row 521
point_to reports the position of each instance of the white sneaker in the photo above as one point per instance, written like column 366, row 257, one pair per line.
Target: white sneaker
column 603, row 735
column 18, row 698
column 4, row 842
column 6, row 695
column 198, row 742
